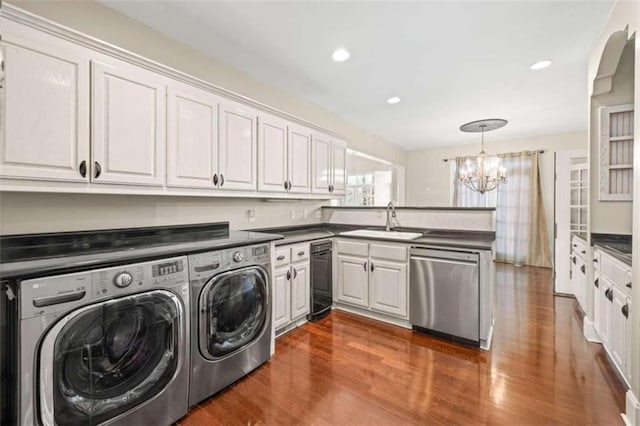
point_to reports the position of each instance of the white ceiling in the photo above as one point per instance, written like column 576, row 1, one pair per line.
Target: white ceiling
column 450, row 62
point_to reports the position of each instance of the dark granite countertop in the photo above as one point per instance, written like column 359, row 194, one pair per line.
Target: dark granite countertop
column 56, row 264
column 439, row 208
column 433, row 237
column 616, row 245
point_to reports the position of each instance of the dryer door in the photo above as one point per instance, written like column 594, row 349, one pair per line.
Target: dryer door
column 234, row 311
column 104, row 359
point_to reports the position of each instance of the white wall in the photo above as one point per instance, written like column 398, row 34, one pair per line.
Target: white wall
column 429, row 178
column 22, row 213
column 28, row 213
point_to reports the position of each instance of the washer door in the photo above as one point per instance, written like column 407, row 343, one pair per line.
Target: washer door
column 104, row 359
column 234, row 310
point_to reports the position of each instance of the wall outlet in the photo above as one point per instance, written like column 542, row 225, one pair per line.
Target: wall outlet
column 293, row 214
column 251, row 215
column 318, row 214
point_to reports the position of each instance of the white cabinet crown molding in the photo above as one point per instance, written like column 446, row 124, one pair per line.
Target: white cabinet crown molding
column 20, row 16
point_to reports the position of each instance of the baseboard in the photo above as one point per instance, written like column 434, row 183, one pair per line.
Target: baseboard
column 372, row 315
column 589, row 331
column 631, row 416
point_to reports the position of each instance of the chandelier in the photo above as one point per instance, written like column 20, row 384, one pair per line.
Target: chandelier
column 486, row 173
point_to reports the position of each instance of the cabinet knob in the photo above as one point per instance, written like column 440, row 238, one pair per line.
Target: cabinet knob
column 215, row 179
column 98, row 170
column 281, row 257
column 609, row 294
column 597, row 283
column 372, row 267
column 301, row 253
column 83, row 168
column 625, row 310
column 295, row 273
column 288, row 275
column 221, row 179
column 595, row 260
column 573, row 260
column 628, row 285
column 583, row 252
column 583, row 269
column 289, row 185
column 286, row 186
column 365, row 266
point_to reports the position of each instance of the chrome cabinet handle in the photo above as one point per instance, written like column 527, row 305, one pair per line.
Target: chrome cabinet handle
column 98, row 170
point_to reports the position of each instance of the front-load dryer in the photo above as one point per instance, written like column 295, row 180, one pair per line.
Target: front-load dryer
column 105, row 347
column 231, row 317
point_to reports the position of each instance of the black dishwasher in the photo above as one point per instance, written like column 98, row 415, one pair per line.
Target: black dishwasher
column 321, row 280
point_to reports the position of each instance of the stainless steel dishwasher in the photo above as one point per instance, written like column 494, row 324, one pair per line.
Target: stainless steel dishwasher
column 444, row 294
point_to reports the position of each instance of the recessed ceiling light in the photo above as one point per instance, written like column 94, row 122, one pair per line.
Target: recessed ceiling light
column 541, row 64
column 340, row 55
column 393, row 100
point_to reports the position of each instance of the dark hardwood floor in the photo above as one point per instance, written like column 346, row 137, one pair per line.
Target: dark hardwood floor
column 347, row 370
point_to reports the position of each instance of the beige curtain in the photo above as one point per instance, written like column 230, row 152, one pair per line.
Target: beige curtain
column 521, row 227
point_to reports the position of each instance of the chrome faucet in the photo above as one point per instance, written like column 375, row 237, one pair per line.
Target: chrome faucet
column 391, row 213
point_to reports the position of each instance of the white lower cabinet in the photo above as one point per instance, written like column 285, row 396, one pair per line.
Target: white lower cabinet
column 388, row 284
column 373, row 276
column 291, row 284
column 353, row 280
column 612, row 303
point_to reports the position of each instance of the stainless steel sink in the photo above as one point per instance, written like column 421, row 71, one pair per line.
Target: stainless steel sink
column 392, row 235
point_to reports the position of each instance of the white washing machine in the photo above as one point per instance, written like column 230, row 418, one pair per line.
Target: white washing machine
column 108, row 346
column 231, row 317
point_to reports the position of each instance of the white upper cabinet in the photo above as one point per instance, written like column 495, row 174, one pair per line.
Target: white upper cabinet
column 616, row 153
column 44, row 122
column 321, row 155
column 237, row 147
column 338, row 167
column 299, row 159
column 192, row 137
column 128, row 124
column 272, row 154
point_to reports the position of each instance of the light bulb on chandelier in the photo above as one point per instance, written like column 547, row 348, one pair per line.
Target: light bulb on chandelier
column 486, row 174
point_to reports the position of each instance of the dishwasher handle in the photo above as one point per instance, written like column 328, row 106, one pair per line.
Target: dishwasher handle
column 469, row 257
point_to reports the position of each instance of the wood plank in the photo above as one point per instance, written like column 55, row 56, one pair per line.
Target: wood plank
column 350, row 370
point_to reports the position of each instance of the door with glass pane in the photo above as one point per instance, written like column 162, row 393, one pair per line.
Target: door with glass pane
column 105, row 359
column 234, row 311
column 571, row 209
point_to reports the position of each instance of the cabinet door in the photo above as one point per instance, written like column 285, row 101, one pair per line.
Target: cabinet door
column 628, row 364
column 605, row 311
column 321, row 161
column 338, row 166
column 581, row 283
column 300, row 299
column 299, row 159
column 388, row 284
column 353, row 280
column 128, row 124
column 618, row 331
column 272, row 154
column 192, row 137
column 281, row 297
column 238, row 147
column 44, row 127
column 596, row 302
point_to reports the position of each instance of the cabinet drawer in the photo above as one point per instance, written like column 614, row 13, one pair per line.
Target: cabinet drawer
column 299, row 252
column 353, row 248
column 619, row 273
column 389, row 252
column 283, row 256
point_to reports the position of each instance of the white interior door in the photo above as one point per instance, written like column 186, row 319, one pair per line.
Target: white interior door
column 299, row 159
column 44, row 128
column 272, row 154
column 128, row 124
column 192, row 137
column 237, row 147
column 562, row 238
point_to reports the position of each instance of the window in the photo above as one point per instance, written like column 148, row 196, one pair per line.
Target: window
column 371, row 181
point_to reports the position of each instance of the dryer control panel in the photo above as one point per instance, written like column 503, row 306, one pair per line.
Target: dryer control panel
column 41, row 296
column 205, row 265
